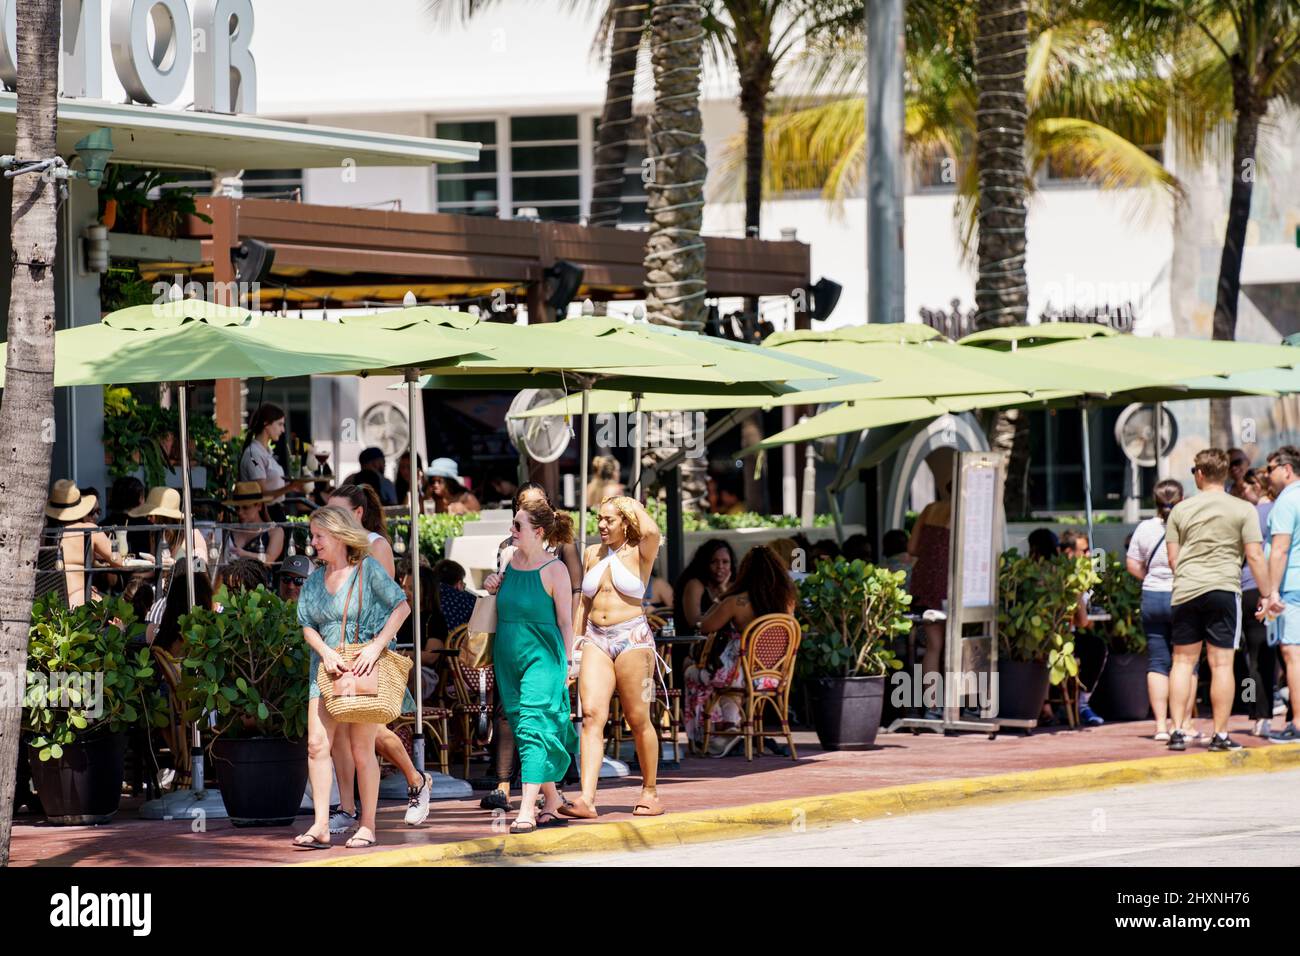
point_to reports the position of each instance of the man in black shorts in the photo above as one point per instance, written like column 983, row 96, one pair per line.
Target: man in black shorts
column 1207, row 537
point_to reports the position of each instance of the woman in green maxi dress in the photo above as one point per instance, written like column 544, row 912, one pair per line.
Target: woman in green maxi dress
column 532, row 653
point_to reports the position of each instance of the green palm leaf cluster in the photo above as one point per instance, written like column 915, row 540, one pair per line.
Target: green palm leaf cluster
column 1097, row 98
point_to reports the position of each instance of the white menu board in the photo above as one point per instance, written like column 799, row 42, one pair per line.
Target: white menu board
column 978, row 487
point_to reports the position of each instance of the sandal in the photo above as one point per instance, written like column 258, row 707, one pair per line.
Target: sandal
column 526, row 826
column 359, row 843
column 312, row 842
column 648, row 807
column 548, row 819
column 579, row 810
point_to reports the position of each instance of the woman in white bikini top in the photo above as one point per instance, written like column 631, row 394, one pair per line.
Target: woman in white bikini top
column 618, row 650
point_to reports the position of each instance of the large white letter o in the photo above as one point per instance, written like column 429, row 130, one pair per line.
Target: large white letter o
column 154, row 75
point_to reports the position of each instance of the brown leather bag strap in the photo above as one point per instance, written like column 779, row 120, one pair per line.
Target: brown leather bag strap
column 343, row 633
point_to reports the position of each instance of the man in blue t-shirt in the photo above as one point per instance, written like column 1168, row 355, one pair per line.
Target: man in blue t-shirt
column 1284, row 568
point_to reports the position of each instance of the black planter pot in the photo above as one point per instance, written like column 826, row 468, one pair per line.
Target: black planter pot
column 1022, row 689
column 846, row 711
column 262, row 779
column 84, row 786
column 1123, row 691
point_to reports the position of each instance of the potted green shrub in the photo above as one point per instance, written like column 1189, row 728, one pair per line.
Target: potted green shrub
column 1122, row 694
column 1036, row 601
column 86, row 687
column 248, row 666
column 850, row 612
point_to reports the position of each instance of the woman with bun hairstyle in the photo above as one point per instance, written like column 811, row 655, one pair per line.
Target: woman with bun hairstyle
column 532, row 654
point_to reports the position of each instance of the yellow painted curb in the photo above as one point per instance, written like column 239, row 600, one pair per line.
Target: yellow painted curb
column 704, row 826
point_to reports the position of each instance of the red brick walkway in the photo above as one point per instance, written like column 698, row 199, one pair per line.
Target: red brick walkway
column 700, row 784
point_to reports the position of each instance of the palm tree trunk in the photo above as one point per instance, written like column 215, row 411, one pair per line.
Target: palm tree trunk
column 755, row 84
column 29, row 384
column 1245, row 138
column 616, row 118
column 1001, row 289
column 674, row 260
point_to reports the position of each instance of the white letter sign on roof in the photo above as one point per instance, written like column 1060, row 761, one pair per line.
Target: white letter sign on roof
column 154, row 75
column 83, row 35
column 225, row 78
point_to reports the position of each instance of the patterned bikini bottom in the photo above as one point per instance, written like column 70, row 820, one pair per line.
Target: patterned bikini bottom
column 614, row 639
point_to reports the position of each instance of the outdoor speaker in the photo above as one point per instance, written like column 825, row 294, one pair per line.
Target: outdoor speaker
column 252, row 261
column 567, row 279
column 825, row 296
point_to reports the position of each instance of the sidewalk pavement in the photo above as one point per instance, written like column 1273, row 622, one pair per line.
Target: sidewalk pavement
column 706, row 798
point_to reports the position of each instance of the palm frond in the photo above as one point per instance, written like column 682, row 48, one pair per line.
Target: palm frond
column 1108, row 159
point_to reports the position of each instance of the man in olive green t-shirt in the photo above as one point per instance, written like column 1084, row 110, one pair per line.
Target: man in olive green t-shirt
column 1207, row 537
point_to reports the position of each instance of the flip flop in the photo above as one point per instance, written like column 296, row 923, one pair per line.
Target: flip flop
column 578, row 810
column 650, row 808
column 525, row 827
column 313, row 842
column 548, row 819
column 358, row 843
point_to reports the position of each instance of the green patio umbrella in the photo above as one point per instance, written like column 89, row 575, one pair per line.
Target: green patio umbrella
column 182, row 340
column 908, row 360
column 1177, row 368
column 575, row 353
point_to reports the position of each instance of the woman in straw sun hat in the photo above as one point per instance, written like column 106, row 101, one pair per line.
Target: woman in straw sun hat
column 249, row 504
column 162, row 506
column 68, row 509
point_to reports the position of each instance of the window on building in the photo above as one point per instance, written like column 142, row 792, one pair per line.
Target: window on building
column 1056, row 461
column 470, row 188
column 634, row 192
column 544, row 166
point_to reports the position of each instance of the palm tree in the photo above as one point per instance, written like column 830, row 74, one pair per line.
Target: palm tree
column 29, row 384
column 626, row 22
column 1091, row 108
column 1233, row 61
column 1001, row 287
column 977, row 84
column 675, row 284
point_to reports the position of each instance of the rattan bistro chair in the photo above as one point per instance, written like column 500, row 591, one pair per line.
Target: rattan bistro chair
column 767, row 653
column 473, row 696
column 176, row 733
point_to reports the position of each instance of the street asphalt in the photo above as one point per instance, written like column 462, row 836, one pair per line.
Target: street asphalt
column 1242, row 820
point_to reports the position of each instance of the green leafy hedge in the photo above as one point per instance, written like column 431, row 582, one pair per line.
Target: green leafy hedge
column 133, row 434
column 84, row 675
column 1036, row 601
column 850, row 611
column 1119, row 594
column 247, row 664
column 435, row 529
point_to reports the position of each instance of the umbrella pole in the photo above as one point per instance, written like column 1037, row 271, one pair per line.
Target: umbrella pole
column 196, row 752
column 417, row 742
column 1087, row 471
column 582, row 476
column 1162, row 466
column 197, row 802
column 636, row 450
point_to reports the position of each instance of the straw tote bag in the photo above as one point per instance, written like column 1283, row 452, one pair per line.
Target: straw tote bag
column 476, row 650
column 373, row 699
